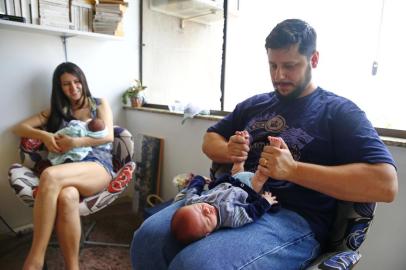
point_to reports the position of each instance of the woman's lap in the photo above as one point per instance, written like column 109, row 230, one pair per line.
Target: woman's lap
column 280, row 240
column 88, row 177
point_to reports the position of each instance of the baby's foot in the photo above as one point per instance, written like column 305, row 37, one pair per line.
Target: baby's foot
column 275, row 141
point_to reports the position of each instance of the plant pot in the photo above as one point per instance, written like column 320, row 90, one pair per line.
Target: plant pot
column 137, row 101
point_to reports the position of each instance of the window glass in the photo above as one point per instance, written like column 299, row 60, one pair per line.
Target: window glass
column 181, row 63
column 185, row 63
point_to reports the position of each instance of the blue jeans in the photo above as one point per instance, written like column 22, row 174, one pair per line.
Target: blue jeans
column 277, row 241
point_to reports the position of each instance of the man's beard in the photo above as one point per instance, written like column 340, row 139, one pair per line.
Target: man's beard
column 298, row 90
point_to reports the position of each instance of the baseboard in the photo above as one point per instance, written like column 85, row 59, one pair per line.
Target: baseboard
column 24, row 229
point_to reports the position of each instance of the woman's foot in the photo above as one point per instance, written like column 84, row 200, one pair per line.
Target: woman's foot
column 30, row 264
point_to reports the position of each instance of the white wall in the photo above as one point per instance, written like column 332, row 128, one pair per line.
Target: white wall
column 386, row 242
column 27, row 61
column 182, row 144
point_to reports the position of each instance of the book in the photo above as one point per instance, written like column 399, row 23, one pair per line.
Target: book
column 2, row 7
column 17, row 8
column 54, row 13
column 12, row 18
column 122, row 2
column 82, row 15
column 34, row 11
column 9, row 6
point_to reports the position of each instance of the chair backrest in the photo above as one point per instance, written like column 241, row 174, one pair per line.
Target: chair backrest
column 351, row 225
column 123, row 147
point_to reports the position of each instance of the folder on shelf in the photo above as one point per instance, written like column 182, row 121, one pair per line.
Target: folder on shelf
column 12, row 18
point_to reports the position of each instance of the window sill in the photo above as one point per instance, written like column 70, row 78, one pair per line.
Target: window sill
column 166, row 111
column 389, row 141
column 393, row 141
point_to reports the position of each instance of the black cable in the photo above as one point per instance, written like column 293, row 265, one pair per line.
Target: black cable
column 223, row 62
column 141, row 41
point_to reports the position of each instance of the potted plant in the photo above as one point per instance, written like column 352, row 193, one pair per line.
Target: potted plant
column 133, row 93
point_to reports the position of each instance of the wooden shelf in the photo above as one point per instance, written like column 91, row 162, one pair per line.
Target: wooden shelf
column 32, row 28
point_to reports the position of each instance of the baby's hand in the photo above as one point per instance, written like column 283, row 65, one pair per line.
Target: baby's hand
column 207, row 180
column 268, row 196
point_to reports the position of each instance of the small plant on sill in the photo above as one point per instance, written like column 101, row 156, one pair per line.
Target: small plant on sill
column 133, row 93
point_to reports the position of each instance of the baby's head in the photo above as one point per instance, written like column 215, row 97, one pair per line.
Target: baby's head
column 96, row 124
column 193, row 222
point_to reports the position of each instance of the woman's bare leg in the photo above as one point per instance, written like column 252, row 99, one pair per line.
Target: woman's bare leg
column 87, row 177
column 68, row 227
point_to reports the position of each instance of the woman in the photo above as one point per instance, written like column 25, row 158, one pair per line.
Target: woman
column 57, row 201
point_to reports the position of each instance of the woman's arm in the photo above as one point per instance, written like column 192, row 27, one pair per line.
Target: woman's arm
column 29, row 128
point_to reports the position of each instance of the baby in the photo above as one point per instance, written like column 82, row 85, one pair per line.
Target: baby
column 230, row 202
column 94, row 128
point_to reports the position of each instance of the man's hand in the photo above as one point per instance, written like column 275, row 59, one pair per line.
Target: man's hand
column 238, row 147
column 277, row 162
column 268, row 196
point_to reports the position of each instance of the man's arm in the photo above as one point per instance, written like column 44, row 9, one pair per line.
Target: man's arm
column 358, row 182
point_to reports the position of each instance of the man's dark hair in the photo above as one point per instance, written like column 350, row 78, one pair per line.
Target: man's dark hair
column 291, row 32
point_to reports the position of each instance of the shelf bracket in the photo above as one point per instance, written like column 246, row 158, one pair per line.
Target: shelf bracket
column 64, row 44
column 183, row 20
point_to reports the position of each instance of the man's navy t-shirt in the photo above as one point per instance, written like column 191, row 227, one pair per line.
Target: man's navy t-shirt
column 320, row 128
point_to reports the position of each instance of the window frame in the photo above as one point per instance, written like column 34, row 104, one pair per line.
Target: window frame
column 387, row 132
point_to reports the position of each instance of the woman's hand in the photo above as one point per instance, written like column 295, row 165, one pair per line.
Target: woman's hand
column 65, row 142
column 50, row 142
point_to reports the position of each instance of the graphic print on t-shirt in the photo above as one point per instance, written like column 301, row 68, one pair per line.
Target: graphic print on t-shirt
column 274, row 125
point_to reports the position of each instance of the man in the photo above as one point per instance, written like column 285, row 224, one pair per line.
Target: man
column 329, row 151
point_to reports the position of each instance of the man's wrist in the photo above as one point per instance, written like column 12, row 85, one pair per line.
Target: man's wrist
column 296, row 172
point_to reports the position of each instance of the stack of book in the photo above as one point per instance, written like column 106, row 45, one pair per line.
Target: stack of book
column 108, row 17
column 82, row 15
column 54, row 13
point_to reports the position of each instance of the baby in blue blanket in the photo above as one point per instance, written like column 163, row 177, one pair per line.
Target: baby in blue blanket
column 94, row 128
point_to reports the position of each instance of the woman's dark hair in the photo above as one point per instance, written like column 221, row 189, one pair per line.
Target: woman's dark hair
column 291, row 32
column 60, row 104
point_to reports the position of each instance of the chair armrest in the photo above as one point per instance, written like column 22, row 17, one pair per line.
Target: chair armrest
column 343, row 260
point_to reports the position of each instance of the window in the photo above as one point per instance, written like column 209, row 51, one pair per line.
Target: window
column 185, row 63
